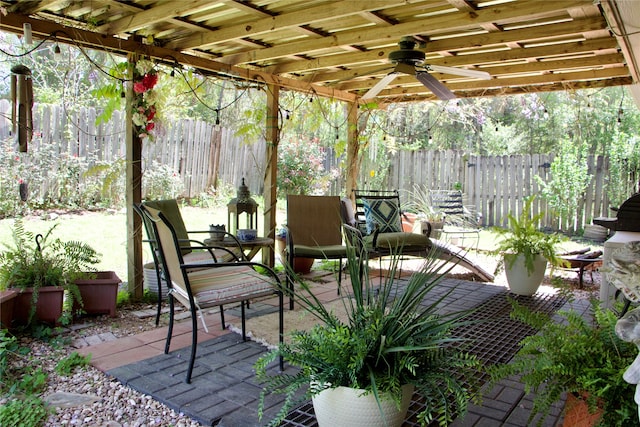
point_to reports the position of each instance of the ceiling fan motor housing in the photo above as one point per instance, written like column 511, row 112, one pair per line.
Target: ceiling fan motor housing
column 407, row 54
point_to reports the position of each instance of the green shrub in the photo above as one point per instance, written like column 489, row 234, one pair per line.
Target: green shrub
column 300, row 167
column 30, row 412
column 161, row 182
column 69, row 363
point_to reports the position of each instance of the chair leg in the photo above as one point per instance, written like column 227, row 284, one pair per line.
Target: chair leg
column 290, row 285
column 281, row 325
column 244, row 322
column 170, row 328
column 159, row 296
column 339, row 275
column 194, row 343
column 224, row 325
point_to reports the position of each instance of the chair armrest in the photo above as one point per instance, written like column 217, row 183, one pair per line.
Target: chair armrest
column 353, row 236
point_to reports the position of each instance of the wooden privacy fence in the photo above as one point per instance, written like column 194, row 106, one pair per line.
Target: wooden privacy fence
column 497, row 185
column 205, row 156
column 196, row 150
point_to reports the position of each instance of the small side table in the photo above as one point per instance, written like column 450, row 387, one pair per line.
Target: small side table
column 250, row 247
column 583, row 264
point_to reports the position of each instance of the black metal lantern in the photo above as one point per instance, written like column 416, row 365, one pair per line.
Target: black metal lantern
column 243, row 203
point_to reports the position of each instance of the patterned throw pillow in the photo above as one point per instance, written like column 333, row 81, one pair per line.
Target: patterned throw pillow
column 383, row 213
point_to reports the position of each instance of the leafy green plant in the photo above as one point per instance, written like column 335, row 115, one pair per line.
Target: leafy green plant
column 110, row 177
column 36, row 261
column 569, row 180
column 43, row 261
column 390, row 339
column 523, row 237
column 161, row 182
column 28, row 412
column 574, row 355
column 68, row 364
column 300, row 167
column 9, row 349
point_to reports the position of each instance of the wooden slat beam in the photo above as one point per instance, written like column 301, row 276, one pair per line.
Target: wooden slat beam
column 449, row 22
column 13, row 23
column 329, row 10
column 154, row 15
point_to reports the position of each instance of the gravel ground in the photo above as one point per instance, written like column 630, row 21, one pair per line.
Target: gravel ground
column 112, row 404
column 88, row 397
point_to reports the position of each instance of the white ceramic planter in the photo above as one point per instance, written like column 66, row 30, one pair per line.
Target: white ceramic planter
column 344, row 406
column 519, row 279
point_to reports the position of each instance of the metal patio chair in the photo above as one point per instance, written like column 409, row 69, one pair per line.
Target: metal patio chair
column 314, row 230
column 377, row 217
column 201, row 284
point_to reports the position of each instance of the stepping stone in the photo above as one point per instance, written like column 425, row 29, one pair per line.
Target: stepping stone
column 68, row 400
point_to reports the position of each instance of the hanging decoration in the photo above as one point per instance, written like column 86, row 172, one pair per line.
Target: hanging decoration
column 22, row 105
column 145, row 78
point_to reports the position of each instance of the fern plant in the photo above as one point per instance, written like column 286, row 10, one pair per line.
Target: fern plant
column 391, row 338
column 35, row 261
column 523, row 237
column 578, row 355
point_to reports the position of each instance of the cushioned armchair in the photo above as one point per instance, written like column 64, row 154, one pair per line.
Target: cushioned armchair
column 314, row 230
column 193, row 250
column 203, row 284
column 377, row 217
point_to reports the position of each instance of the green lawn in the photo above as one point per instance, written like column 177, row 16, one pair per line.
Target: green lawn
column 106, row 231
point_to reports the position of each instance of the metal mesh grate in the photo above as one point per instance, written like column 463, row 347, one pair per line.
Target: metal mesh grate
column 494, row 339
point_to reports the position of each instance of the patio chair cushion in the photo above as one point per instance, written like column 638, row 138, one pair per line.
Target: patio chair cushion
column 347, row 212
column 170, row 209
column 214, row 285
column 320, row 252
column 382, row 215
column 399, row 239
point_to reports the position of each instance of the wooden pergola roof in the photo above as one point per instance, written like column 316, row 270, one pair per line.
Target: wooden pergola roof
column 339, row 49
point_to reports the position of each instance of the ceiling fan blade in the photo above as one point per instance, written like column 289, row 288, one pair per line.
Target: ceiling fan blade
column 459, row 71
column 380, row 85
column 435, row 86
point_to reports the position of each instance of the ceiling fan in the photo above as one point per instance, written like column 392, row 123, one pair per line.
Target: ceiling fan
column 408, row 60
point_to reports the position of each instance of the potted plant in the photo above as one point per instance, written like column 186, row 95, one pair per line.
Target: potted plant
column 98, row 293
column 42, row 268
column 526, row 250
column 301, row 265
column 392, row 344
column 579, row 355
column 420, row 202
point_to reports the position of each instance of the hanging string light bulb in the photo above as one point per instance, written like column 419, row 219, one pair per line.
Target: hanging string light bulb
column 217, row 126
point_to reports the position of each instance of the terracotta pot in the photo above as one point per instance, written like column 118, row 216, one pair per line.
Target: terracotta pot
column 344, row 406
column 48, row 306
column 7, row 302
column 100, row 294
column 576, row 413
column 300, row 265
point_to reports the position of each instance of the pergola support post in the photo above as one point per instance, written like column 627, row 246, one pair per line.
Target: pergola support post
column 271, row 170
column 133, row 195
column 353, row 149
